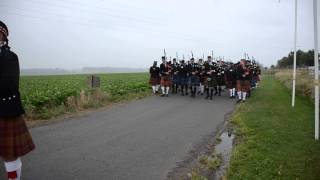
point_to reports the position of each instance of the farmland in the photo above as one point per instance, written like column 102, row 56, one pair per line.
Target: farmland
column 46, row 96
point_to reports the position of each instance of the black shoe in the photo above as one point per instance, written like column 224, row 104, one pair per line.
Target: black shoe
column 162, row 95
column 243, row 101
column 211, row 98
column 167, row 95
column 239, row 101
column 215, row 93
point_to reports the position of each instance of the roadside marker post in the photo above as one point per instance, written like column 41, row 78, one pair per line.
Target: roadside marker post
column 316, row 69
column 294, row 55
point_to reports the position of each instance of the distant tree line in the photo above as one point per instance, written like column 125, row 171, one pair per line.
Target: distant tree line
column 304, row 59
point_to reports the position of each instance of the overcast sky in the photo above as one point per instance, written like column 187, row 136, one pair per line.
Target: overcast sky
column 133, row 33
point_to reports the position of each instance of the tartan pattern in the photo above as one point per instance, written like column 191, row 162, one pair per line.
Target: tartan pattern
column 231, row 84
column 165, row 81
column 15, row 139
column 243, row 86
column 154, row 81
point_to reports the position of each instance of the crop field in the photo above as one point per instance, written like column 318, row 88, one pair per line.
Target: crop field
column 41, row 94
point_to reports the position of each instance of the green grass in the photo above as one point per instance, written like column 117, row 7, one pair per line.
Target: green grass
column 47, row 96
column 276, row 141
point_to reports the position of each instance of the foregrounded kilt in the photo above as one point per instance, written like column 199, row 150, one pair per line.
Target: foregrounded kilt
column 165, row 81
column 245, row 86
column 154, row 81
column 231, row 84
column 15, row 139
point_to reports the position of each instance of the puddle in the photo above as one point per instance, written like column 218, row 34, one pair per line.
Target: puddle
column 224, row 148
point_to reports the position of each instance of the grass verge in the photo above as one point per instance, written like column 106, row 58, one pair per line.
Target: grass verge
column 274, row 140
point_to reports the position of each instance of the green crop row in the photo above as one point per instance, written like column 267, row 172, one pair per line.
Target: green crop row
column 38, row 92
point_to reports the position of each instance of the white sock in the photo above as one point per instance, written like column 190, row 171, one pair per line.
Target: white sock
column 201, row 88
column 162, row 88
column 157, row 87
column 230, row 90
column 14, row 166
column 239, row 95
column 233, row 91
column 167, row 90
column 244, row 96
column 154, row 89
column 19, row 173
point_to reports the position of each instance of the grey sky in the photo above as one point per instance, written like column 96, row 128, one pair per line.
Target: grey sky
column 132, row 33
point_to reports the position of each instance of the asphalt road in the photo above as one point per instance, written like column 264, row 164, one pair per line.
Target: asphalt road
column 141, row 140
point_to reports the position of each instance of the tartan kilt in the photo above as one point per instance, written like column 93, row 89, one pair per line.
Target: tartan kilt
column 220, row 81
column 15, row 139
column 165, row 81
column 183, row 80
column 231, row 84
column 211, row 82
column 245, row 85
column 203, row 80
column 154, row 81
column 175, row 79
column 194, row 81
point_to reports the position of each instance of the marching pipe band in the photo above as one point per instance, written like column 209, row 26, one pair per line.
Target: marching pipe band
column 204, row 78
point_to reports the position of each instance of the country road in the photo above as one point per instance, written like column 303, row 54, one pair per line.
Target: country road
column 140, row 140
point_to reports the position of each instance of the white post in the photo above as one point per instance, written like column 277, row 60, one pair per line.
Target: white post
column 295, row 54
column 316, row 69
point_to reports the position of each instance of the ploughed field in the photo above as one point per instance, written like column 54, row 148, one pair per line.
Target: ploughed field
column 42, row 95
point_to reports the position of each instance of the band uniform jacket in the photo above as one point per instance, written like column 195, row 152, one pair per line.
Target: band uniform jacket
column 10, row 102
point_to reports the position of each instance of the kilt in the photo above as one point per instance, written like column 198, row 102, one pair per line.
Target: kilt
column 154, row 81
column 220, row 81
column 231, row 84
column 15, row 139
column 203, row 79
column 243, row 85
column 211, row 82
column 165, row 81
column 183, row 80
column 194, row 81
column 175, row 79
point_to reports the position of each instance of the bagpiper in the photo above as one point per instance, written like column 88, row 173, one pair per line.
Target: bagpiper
column 155, row 77
column 183, row 77
column 175, row 78
column 165, row 72
column 220, row 78
column 202, row 76
column 211, row 81
column 194, row 77
column 15, row 139
column 231, row 80
column 243, row 80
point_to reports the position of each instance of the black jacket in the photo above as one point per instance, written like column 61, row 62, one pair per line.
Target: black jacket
column 10, row 102
column 154, row 72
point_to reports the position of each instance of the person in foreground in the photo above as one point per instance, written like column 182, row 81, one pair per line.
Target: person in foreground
column 15, row 139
